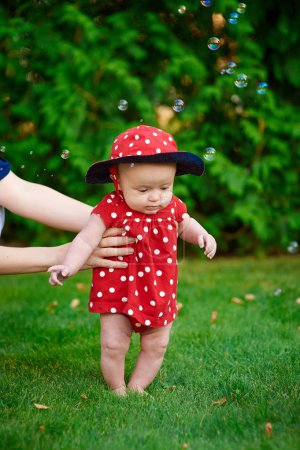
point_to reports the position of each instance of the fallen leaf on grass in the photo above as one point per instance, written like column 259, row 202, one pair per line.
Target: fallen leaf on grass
column 81, row 287
column 172, row 388
column 237, row 301
column 42, row 427
column 74, row 303
column 268, row 429
column 249, row 297
column 220, row 402
column 213, row 316
column 184, row 446
column 39, row 406
column 84, row 396
column 180, row 305
column 298, row 301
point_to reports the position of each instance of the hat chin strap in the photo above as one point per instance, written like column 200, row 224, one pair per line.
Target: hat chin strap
column 113, row 175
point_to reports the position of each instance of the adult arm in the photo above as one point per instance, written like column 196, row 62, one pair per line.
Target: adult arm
column 191, row 231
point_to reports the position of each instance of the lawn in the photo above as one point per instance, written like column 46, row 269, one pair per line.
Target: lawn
column 224, row 378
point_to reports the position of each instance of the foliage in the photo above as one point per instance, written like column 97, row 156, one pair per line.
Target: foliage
column 65, row 65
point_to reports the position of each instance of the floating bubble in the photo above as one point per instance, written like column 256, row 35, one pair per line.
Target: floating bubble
column 262, row 88
column 123, row 105
column 65, row 154
column 277, row 292
column 182, row 9
column 2, row 149
column 241, row 8
column 22, row 166
column 31, row 152
column 223, row 71
column 206, row 4
column 233, row 18
column 230, row 68
column 241, row 80
column 213, row 43
column 209, row 154
column 178, row 105
column 293, row 247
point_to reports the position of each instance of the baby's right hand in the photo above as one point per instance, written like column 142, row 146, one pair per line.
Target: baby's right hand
column 58, row 273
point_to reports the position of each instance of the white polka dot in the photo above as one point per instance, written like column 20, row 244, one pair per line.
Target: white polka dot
column 111, row 290
column 112, row 195
column 169, row 260
column 91, row 304
column 165, row 239
column 174, row 316
column 102, row 273
column 152, row 303
column 116, row 147
column 158, row 150
column 160, row 314
column 116, row 140
column 131, row 278
column 129, row 213
column 156, row 251
column 170, row 139
column 173, row 296
column 130, row 312
column 155, row 230
column 169, row 309
column 109, row 200
column 165, row 322
column 159, row 273
column 171, row 281
column 120, row 258
column 99, row 294
column 123, row 278
column 159, row 219
column 136, row 137
column 147, row 141
column 162, row 293
column 124, row 299
column 140, row 274
column 140, row 254
column 131, row 145
column 148, row 220
column 145, row 288
column 172, row 210
column 126, row 136
column 174, row 248
column 146, row 229
column 139, row 152
column 136, row 293
column 155, row 134
column 137, row 219
column 155, row 283
column 170, row 227
column 140, row 308
column 147, row 322
column 165, row 143
column 139, row 237
column 111, row 269
column 120, row 154
column 147, row 269
column 113, row 310
column 127, row 227
column 138, row 324
column 126, row 220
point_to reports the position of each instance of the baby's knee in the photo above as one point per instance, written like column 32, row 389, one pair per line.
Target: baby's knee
column 111, row 345
column 156, row 346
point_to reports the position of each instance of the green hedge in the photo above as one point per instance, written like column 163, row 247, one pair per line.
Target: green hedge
column 65, row 66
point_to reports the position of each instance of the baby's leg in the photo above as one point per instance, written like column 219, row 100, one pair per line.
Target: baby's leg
column 154, row 343
column 116, row 330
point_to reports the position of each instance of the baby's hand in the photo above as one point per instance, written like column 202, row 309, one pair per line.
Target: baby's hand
column 58, row 273
column 208, row 242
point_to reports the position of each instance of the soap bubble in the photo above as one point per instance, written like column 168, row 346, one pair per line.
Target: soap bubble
column 31, row 152
column 178, row 105
column 293, row 247
column 213, row 43
column 230, row 67
column 2, row 149
column 206, row 4
column 22, row 166
column 182, row 9
column 123, row 105
column 233, row 18
column 209, row 154
column 241, row 9
column 65, row 154
column 262, row 88
column 241, row 80
column 277, row 292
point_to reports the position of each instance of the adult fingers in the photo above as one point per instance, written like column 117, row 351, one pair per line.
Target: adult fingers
column 116, row 241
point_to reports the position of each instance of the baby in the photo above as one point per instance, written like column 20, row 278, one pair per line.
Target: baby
column 142, row 298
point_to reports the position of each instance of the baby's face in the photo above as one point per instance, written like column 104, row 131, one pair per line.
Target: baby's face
column 147, row 188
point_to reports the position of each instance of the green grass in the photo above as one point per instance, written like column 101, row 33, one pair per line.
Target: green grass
column 250, row 355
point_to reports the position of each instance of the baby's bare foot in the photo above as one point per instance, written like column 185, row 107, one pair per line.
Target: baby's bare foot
column 120, row 391
column 138, row 389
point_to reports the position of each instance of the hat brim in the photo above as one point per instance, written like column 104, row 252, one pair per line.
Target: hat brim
column 187, row 163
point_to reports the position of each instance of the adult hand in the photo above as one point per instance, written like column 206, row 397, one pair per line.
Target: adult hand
column 111, row 245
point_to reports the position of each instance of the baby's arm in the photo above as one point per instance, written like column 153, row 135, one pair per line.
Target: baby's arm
column 191, row 231
column 80, row 249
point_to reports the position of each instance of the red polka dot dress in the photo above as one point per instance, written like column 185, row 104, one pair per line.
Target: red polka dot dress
column 145, row 291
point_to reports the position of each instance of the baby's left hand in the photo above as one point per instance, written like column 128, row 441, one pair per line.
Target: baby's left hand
column 208, row 242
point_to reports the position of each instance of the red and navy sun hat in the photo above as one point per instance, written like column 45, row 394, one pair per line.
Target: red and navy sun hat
column 144, row 144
